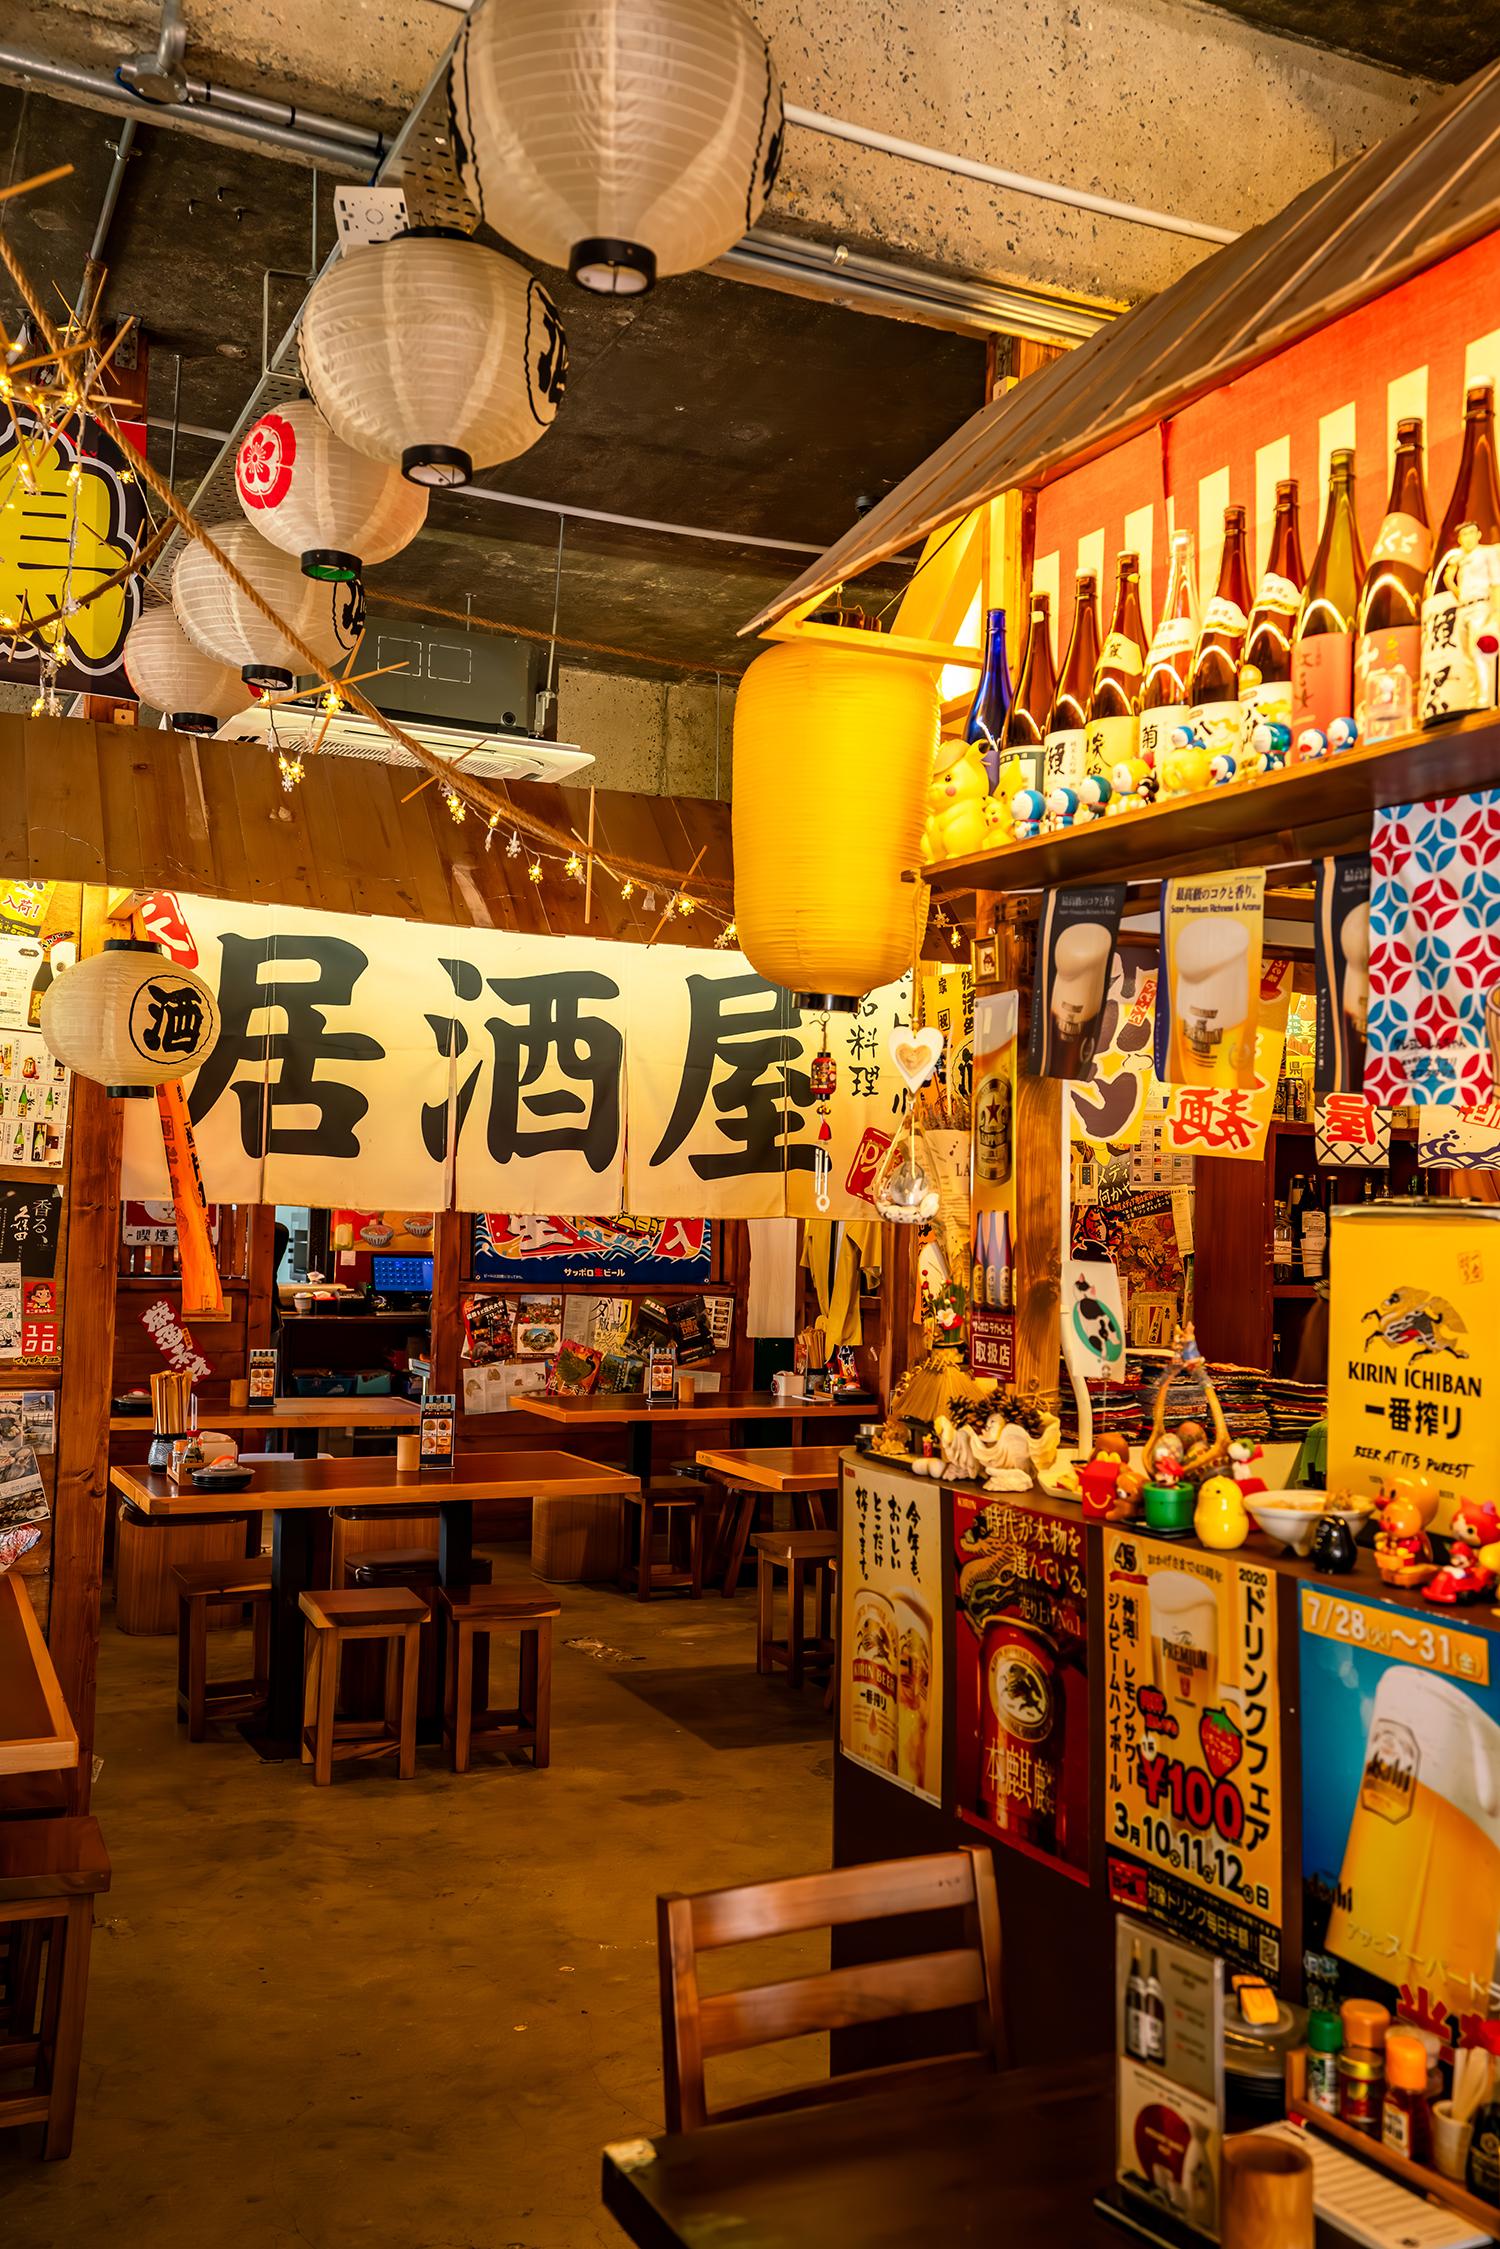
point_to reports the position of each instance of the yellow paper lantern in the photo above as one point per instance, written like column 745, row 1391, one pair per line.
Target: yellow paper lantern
column 128, row 1018
column 833, row 754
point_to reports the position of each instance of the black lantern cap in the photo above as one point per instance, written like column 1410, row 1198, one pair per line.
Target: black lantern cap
column 827, row 1003
column 330, row 562
column 193, row 722
column 268, row 677
column 436, row 465
column 612, row 268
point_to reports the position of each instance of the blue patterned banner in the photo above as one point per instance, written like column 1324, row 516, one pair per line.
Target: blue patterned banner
column 1434, row 951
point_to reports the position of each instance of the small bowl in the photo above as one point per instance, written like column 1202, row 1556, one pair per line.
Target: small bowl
column 1290, row 1517
column 234, row 1479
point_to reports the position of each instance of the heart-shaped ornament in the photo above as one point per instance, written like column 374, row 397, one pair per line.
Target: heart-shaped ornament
column 916, row 1054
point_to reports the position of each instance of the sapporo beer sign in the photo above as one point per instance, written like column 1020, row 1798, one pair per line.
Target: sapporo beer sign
column 1192, row 1745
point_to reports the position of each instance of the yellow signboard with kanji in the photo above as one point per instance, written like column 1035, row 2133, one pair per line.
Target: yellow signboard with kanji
column 70, row 520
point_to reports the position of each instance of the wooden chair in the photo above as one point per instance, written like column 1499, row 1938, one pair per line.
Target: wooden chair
column 51, row 1871
column 802, row 1554
column 697, row 2026
column 335, row 1620
column 473, row 1612
column 202, row 1586
column 675, row 1500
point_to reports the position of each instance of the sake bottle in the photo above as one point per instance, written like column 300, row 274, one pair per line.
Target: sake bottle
column 1323, row 650
column 1027, row 719
column 1214, row 682
column 1169, row 660
column 1067, row 725
column 1459, row 630
column 1388, row 641
column 1114, row 705
column 1266, row 666
column 987, row 713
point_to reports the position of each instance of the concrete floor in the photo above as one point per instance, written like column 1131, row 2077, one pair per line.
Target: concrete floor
column 410, row 2016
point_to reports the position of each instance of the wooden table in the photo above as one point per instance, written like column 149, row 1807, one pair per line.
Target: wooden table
column 632, row 1411
column 36, row 1732
column 301, row 1419
column 1016, row 2159
column 298, row 1491
column 804, row 1470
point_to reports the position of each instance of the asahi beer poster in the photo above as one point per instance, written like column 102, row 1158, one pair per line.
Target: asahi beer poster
column 1075, row 945
column 1413, row 1311
column 1212, row 928
column 1169, row 2040
column 890, row 1627
column 1020, row 1678
column 1192, row 1745
column 1401, row 1804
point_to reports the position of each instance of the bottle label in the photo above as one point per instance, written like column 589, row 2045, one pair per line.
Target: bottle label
column 1121, row 655
column 1222, row 726
column 1322, row 681
column 1065, row 760
column 1395, row 2127
column 1172, row 636
column 1224, row 616
column 1323, row 2083
column 1458, row 669
column 1156, row 731
column 1277, row 593
column 1404, row 538
column 1269, row 700
column 1153, row 2036
column 1110, row 741
column 1387, row 667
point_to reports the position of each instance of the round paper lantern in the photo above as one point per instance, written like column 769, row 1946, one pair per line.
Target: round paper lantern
column 833, row 753
column 313, row 496
column 618, row 138
column 216, row 615
column 433, row 353
column 128, row 1019
column 173, row 675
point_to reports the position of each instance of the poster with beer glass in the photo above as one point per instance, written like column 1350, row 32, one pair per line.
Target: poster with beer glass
column 1192, row 1745
column 1401, row 1804
column 1020, row 1678
column 890, row 1627
column 1074, row 947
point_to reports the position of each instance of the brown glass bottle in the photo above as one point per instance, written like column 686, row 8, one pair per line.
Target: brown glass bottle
column 1067, row 723
column 1388, row 633
column 1214, row 682
column 1266, row 666
column 1170, row 657
column 1027, row 719
column 1463, row 592
column 1115, row 704
column 1323, row 649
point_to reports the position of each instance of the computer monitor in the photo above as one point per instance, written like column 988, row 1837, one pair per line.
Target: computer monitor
column 402, row 1276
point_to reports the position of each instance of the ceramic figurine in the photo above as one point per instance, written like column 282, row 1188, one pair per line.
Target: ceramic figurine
column 1342, row 734
column 1403, row 1551
column 1220, row 1517
column 1312, row 744
column 957, row 802
column 1465, row 1576
column 1185, row 764
column 1062, row 806
column 1333, row 1549
column 1271, row 743
column 1132, row 784
column 1243, row 1455
column 1028, row 809
column 1224, row 769
column 1094, row 793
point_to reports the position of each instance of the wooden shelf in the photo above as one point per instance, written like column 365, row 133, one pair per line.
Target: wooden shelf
column 1271, row 820
column 1303, row 1290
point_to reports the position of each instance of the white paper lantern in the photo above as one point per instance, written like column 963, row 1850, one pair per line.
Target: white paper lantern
column 214, row 613
column 313, row 496
column 173, row 675
column 128, row 1018
column 618, row 138
column 434, row 353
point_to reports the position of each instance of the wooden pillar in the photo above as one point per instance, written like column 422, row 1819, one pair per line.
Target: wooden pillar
column 1037, row 1161
column 95, row 1129
column 261, row 1274
column 450, row 1255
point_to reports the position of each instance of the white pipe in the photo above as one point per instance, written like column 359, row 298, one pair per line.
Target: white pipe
column 967, row 167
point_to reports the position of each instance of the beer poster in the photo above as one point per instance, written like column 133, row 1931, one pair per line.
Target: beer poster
column 891, row 1626
column 1075, row 946
column 1169, row 2083
column 1401, row 1804
column 1020, row 1678
column 992, row 1201
column 1192, row 1744
column 1413, row 1303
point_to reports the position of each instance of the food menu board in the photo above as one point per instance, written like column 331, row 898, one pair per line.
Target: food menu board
column 1020, row 1678
column 1192, row 1744
column 1401, row 1802
column 890, row 1626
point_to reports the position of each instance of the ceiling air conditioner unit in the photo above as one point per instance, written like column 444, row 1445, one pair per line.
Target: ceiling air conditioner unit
column 487, row 756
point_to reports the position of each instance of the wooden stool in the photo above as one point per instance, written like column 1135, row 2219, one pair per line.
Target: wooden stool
column 51, row 1870
column 334, row 1621
column 362, row 1691
column 796, row 1552
column 674, row 1500
column 200, row 1587
column 473, row 1612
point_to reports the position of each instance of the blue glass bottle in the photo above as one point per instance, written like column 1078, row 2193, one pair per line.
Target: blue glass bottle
column 986, row 721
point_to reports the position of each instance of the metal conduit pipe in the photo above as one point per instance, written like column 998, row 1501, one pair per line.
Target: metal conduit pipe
column 332, row 155
column 202, row 93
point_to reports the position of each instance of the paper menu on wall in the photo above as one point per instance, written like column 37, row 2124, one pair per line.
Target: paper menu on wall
column 34, row 1090
column 10, row 1311
column 21, row 958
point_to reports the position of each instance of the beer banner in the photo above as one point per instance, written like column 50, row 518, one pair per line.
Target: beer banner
column 1414, row 1306
column 1209, row 1120
column 1434, row 952
column 1074, row 947
column 1192, row 1744
column 1459, row 1139
column 891, row 1626
column 1400, row 1813
column 1108, row 1107
column 1020, row 1678
column 1348, row 1131
column 368, row 1061
column 992, row 1200
column 1211, row 933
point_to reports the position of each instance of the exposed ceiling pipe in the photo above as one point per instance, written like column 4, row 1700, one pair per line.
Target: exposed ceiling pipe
column 833, row 273
column 107, row 207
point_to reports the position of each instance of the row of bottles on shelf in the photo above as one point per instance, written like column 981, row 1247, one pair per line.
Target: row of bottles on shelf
column 1299, row 1233
column 1313, row 661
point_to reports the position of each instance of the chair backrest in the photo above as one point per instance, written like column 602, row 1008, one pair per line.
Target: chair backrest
column 696, row 2025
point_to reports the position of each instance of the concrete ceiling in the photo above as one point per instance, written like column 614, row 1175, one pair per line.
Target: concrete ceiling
column 1442, row 39
column 708, row 403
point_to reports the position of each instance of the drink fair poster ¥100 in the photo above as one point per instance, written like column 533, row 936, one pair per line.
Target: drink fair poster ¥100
column 890, row 1627
column 1192, row 1745
column 1020, row 1679
column 1401, row 1804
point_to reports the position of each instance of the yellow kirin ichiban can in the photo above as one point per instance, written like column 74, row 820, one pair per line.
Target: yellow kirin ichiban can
column 1414, row 1314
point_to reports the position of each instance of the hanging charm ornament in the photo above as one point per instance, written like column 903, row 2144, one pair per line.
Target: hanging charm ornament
column 916, row 1055
column 824, row 1082
column 906, row 1187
